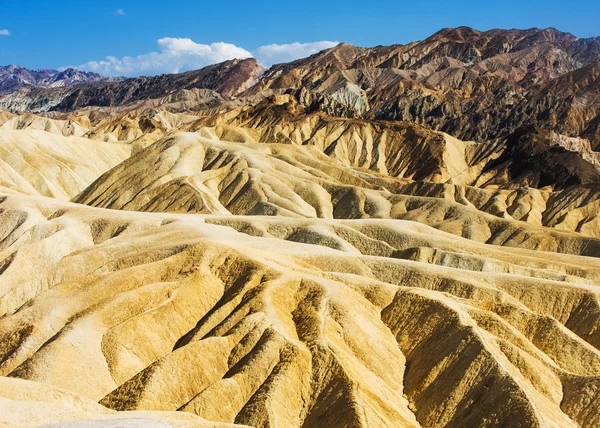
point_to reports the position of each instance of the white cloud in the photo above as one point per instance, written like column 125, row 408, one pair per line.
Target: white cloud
column 4, row 33
column 176, row 55
column 275, row 54
column 120, row 12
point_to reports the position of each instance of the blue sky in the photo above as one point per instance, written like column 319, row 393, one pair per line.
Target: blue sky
column 45, row 33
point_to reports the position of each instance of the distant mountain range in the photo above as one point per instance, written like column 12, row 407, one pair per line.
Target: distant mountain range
column 12, row 77
column 474, row 85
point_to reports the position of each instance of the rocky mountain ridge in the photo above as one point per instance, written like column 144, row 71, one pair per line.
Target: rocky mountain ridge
column 13, row 77
column 471, row 84
column 227, row 78
column 474, row 85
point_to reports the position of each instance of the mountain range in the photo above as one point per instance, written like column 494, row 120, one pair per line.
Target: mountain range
column 474, row 85
column 13, row 77
column 396, row 236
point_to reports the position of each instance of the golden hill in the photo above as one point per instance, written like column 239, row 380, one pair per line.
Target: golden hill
column 362, row 177
column 268, row 321
column 49, row 164
column 269, row 265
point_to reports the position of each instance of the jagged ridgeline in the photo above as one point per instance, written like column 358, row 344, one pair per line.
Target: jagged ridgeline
column 397, row 236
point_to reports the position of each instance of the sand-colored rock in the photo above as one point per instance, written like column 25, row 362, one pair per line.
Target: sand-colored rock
column 268, row 321
column 198, row 173
column 31, row 404
column 49, row 164
column 66, row 128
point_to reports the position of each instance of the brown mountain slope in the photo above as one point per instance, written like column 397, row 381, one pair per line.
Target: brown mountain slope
column 229, row 78
column 471, row 84
column 516, row 53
